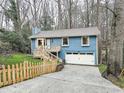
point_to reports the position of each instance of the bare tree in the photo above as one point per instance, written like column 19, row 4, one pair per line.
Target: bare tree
column 59, row 14
column 87, row 14
column 98, row 11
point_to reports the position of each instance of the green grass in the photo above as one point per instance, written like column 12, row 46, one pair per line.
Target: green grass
column 17, row 58
column 119, row 82
column 102, row 68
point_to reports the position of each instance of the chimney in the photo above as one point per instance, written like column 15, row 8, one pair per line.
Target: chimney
column 35, row 30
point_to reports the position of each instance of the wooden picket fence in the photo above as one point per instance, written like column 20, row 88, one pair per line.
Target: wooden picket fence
column 23, row 71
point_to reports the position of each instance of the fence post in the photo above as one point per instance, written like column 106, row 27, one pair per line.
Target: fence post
column 44, row 67
column 17, row 73
column 24, row 70
column 9, row 75
column 47, row 67
column 36, row 68
column 30, row 76
column 27, row 70
column 55, row 65
column 1, row 83
column 41, row 68
column 33, row 70
column 50, row 67
column 52, row 63
column 13, row 74
column 4, row 75
column 21, row 75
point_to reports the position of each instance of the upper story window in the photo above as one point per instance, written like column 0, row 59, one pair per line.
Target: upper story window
column 65, row 41
column 85, row 41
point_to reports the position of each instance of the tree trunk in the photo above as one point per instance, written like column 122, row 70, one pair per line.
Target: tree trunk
column 70, row 14
column 117, row 38
column 98, row 23
column 59, row 15
column 18, row 28
column 35, row 13
column 106, row 11
column 87, row 16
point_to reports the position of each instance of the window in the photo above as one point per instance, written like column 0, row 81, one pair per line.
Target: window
column 65, row 41
column 39, row 42
column 82, row 53
column 75, row 53
column 68, row 53
column 89, row 53
column 85, row 41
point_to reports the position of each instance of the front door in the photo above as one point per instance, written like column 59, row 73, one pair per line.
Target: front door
column 48, row 43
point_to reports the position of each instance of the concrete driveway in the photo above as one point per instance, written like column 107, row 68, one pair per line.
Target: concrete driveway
column 72, row 79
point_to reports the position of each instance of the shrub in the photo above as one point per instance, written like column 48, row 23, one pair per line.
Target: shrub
column 15, row 41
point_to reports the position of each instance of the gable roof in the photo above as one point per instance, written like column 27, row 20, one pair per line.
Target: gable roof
column 91, row 31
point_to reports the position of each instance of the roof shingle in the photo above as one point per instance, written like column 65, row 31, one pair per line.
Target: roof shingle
column 91, row 31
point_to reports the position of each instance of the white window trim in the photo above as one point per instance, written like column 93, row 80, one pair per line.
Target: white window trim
column 67, row 41
column 37, row 41
column 85, row 44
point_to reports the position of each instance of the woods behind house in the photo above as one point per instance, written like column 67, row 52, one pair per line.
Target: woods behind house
column 17, row 17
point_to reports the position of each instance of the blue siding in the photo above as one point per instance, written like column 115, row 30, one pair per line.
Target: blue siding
column 55, row 42
column 33, row 46
column 75, row 46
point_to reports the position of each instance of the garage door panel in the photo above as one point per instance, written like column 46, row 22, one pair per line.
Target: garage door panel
column 83, row 58
column 71, row 58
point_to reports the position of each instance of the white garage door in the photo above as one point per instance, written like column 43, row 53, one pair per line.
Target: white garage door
column 80, row 58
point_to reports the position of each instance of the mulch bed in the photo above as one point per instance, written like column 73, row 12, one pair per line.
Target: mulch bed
column 60, row 67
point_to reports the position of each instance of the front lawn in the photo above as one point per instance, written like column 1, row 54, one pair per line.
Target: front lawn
column 16, row 58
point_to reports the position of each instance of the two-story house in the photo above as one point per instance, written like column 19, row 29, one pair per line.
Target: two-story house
column 75, row 46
